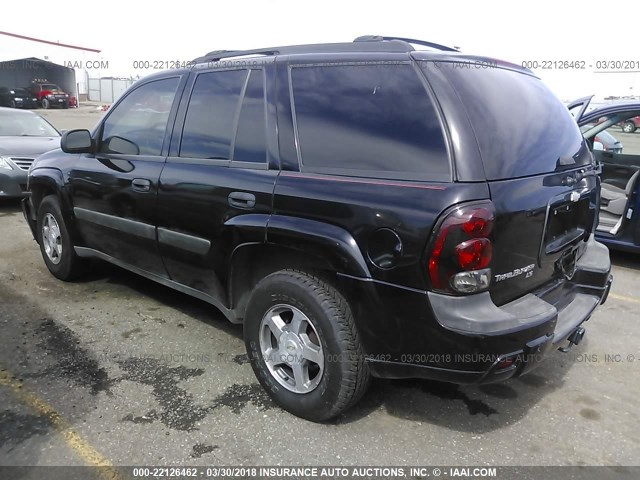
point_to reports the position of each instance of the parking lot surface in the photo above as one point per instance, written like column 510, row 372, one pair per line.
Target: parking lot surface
column 117, row 369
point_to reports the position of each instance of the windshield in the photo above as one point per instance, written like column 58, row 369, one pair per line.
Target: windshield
column 50, row 86
column 24, row 124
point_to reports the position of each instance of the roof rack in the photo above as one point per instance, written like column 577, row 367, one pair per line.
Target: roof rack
column 220, row 54
column 367, row 43
column 424, row 43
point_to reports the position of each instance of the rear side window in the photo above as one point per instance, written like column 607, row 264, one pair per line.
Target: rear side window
column 250, row 143
column 210, row 121
column 521, row 127
column 371, row 119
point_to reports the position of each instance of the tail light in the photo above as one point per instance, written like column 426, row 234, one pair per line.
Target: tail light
column 460, row 256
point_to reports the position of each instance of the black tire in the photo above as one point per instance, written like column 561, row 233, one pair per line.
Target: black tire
column 346, row 375
column 629, row 127
column 45, row 103
column 12, row 104
column 69, row 265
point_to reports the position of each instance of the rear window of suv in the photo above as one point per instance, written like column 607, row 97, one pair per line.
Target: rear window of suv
column 522, row 128
column 376, row 120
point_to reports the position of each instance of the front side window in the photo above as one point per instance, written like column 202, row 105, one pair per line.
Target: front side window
column 373, row 118
column 138, row 124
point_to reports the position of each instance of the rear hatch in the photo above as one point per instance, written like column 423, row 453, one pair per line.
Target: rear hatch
column 540, row 173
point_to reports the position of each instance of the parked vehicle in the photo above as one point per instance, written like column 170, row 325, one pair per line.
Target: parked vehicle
column 619, row 216
column 362, row 208
column 17, row 98
column 73, row 101
column 49, row 95
column 23, row 136
column 630, row 125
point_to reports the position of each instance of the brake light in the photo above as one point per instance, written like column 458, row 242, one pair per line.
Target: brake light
column 474, row 254
column 461, row 251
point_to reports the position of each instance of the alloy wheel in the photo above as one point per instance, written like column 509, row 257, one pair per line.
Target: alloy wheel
column 291, row 348
column 51, row 238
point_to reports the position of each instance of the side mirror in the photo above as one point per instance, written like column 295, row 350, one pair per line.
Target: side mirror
column 76, row 141
column 120, row 145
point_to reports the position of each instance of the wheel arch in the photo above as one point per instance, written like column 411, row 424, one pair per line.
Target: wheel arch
column 44, row 182
column 49, row 181
column 293, row 243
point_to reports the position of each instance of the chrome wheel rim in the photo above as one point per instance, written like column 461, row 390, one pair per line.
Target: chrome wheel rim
column 291, row 348
column 51, row 238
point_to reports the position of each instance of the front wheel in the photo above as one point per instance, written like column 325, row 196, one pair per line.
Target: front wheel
column 45, row 103
column 629, row 127
column 55, row 242
column 303, row 345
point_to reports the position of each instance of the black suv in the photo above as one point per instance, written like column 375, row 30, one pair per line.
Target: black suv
column 364, row 209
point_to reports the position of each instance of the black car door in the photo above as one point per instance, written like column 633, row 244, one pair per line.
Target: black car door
column 114, row 192
column 217, row 171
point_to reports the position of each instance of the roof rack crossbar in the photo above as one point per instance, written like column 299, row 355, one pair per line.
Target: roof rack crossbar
column 424, row 43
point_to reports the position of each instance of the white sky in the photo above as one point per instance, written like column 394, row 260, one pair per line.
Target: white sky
column 126, row 31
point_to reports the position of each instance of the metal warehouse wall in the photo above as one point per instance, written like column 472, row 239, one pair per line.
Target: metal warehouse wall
column 20, row 73
column 107, row 90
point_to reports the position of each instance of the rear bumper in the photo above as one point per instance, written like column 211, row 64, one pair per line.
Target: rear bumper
column 479, row 342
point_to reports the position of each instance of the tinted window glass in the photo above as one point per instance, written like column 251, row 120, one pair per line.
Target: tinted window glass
column 137, row 125
column 373, row 117
column 521, row 127
column 250, row 145
column 208, row 127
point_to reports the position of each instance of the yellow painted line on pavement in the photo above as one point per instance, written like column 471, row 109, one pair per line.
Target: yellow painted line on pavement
column 624, row 298
column 79, row 445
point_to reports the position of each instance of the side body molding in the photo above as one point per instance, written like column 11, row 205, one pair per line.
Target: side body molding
column 133, row 227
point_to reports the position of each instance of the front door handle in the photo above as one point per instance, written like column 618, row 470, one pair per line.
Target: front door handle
column 141, row 184
column 242, row 200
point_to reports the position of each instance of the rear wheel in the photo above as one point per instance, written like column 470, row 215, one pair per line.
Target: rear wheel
column 303, row 345
column 629, row 127
column 55, row 242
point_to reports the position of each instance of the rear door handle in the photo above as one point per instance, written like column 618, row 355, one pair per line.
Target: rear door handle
column 141, row 184
column 242, row 200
